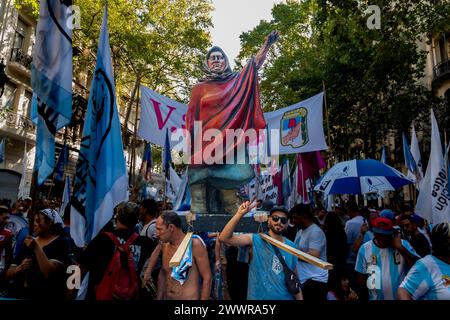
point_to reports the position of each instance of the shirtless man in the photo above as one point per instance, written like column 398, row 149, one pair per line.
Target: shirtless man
column 168, row 231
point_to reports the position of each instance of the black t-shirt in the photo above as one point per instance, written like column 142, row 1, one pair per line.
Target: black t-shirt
column 420, row 243
column 97, row 255
column 32, row 284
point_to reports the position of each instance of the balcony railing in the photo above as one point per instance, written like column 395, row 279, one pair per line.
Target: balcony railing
column 17, row 122
column 442, row 69
column 17, row 55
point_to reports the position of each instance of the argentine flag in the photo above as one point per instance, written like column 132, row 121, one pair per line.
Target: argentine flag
column 410, row 163
column 51, row 79
column 101, row 180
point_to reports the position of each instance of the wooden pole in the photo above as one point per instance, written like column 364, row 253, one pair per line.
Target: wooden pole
column 181, row 250
column 134, row 137
column 299, row 254
column 34, row 192
column 327, row 123
column 125, row 133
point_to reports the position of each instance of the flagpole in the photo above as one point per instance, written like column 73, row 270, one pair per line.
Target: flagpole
column 134, row 138
column 327, row 123
column 34, row 191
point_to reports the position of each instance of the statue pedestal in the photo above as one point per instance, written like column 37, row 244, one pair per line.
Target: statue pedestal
column 216, row 222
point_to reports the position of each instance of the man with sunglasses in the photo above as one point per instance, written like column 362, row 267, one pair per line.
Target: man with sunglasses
column 266, row 279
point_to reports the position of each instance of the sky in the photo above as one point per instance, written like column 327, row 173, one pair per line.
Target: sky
column 232, row 17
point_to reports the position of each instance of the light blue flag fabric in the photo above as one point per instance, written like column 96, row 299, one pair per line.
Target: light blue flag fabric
column 2, row 150
column 51, row 79
column 101, row 180
column 63, row 159
column 383, row 155
column 183, row 202
column 180, row 273
column 410, row 163
column 65, row 198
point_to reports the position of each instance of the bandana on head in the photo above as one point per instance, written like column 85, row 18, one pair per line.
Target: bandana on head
column 52, row 215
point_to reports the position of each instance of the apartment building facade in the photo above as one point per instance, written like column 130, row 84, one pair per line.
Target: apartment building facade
column 17, row 38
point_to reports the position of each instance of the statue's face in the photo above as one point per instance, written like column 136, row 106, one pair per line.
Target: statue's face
column 216, row 62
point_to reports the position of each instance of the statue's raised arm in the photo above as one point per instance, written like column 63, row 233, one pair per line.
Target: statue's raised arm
column 268, row 42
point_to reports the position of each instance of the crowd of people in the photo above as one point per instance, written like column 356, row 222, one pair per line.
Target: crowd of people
column 377, row 254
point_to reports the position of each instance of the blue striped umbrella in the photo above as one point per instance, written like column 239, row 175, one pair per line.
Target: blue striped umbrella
column 360, row 177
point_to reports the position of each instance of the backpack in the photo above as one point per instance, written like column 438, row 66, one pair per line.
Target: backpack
column 120, row 281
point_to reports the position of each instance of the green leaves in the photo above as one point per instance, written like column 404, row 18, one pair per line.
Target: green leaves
column 160, row 41
column 372, row 75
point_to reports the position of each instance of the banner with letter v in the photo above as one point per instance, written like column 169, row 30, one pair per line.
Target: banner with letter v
column 158, row 113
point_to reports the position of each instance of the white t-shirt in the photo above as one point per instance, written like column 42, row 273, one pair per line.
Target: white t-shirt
column 311, row 238
column 149, row 230
column 353, row 229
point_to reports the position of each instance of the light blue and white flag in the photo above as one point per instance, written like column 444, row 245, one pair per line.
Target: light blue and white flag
column 23, row 191
column 65, row 198
column 101, row 180
column 63, row 160
column 410, row 163
column 184, row 197
column 180, row 273
column 383, row 155
column 173, row 185
column 415, row 151
column 51, row 79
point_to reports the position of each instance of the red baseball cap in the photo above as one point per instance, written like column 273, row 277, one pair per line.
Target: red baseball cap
column 383, row 226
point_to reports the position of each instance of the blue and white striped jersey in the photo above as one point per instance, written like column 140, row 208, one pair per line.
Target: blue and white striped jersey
column 428, row 279
column 387, row 269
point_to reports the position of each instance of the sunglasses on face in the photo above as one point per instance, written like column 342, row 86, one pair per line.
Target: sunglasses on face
column 283, row 220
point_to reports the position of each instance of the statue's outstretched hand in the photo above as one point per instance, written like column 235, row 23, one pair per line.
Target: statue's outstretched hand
column 268, row 42
column 272, row 38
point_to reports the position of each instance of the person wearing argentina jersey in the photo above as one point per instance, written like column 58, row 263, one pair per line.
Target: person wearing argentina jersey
column 382, row 263
column 429, row 278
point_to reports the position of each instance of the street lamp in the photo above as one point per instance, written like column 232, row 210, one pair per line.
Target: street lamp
column 3, row 77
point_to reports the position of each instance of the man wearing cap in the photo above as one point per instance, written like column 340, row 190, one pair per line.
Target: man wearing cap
column 266, row 279
column 383, row 262
column 312, row 240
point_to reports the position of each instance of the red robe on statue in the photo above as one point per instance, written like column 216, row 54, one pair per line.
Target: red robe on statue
column 231, row 102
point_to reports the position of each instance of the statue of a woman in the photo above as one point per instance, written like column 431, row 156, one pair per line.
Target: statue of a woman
column 223, row 100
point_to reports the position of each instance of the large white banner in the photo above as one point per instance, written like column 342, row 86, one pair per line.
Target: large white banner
column 433, row 203
column 299, row 127
column 159, row 113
